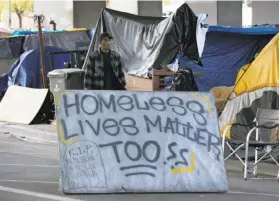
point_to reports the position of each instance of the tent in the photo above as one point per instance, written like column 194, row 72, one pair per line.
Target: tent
column 65, row 40
column 257, row 86
column 149, row 42
column 26, row 70
column 226, row 50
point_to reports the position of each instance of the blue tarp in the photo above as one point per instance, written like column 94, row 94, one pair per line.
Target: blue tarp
column 25, row 33
column 258, row 30
column 26, row 71
column 226, row 50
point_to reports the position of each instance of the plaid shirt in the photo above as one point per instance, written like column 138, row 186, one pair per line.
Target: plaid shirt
column 94, row 75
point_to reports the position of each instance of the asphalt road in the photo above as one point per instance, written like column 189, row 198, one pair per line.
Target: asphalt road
column 29, row 172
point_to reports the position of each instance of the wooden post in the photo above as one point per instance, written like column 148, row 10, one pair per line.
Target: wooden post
column 42, row 52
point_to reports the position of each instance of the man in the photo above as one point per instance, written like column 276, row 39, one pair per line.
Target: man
column 104, row 68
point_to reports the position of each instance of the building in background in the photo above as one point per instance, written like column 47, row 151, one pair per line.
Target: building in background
column 69, row 14
column 264, row 12
column 231, row 13
column 84, row 14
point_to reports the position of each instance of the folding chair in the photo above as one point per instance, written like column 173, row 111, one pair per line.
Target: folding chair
column 265, row 119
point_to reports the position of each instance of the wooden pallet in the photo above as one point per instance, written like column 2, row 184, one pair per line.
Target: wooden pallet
column 159, row 77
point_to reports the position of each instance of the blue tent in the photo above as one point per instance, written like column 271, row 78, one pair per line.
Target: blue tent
column 226, row 50
column 26, row 71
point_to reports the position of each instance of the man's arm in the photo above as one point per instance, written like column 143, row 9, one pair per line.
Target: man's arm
column 121, row 73
column 88, row 81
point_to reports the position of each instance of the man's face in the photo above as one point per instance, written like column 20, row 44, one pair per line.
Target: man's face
column 106, row 44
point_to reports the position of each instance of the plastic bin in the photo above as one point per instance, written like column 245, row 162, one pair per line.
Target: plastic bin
column 66, row 79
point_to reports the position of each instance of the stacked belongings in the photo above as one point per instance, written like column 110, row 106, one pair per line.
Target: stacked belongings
column 183, row 80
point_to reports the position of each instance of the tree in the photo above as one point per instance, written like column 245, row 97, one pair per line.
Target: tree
column 249, row 3
column 21, row 8
column 3, row 6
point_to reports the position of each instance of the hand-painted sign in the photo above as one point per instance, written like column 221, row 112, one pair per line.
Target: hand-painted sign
column 121, row 141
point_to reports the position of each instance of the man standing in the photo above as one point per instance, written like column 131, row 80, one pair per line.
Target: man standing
column 104, row 68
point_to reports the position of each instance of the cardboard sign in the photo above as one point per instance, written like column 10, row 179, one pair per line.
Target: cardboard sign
column 122, row 141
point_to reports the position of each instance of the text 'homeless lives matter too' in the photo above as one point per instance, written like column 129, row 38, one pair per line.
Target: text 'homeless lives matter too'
column 169, row 114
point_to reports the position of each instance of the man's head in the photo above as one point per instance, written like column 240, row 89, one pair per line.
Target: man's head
column 105, row 41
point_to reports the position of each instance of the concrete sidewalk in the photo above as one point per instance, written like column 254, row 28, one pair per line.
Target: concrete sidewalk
column 47, row 134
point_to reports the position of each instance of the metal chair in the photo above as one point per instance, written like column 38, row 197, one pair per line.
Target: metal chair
column 265, row 119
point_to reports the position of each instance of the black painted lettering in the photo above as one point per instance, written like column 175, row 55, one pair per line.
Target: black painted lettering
column 177, row 105
column 94, row 106
column 129, row 126
column 76, row 104
column 156, row 151
column 128, row 153
column 169, row 126
column 65, row 131
column 81, row 127
column 184, row 161
column 126, row 103
column 212, row 141
column 95, row 129
column 189, row 132
column 80, row 151
column 179, row 127
column 155, row 124
column 137, row 104
column 157, row 104
column 111, row 127
column 88, row 147
column 215, row 142
column 170, row 148
column 110, row 104
column 115, row 149
column 71, row 153
column 200, row 137
column 198, row 110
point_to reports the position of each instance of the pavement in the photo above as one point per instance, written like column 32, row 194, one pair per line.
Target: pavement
column 29, row 167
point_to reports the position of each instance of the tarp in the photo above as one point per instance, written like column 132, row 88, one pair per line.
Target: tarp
column 64, row 40
column 259, row 30
column 5, row 51
column 11, row 47
column 149, row 42
column 257, row 87
column 26, row 71
column 25, row 33
column 225, row 52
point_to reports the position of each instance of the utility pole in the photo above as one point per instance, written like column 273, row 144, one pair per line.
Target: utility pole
column 10, row 13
